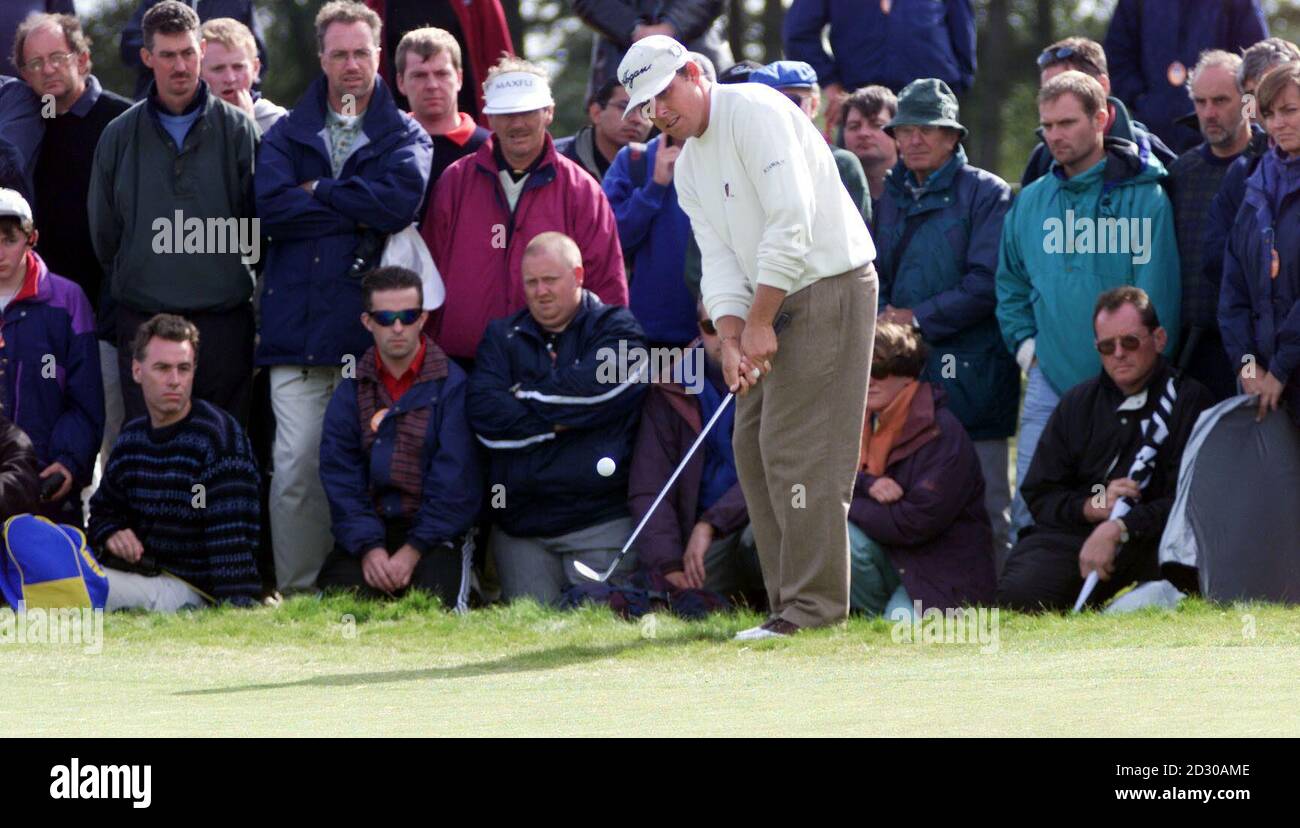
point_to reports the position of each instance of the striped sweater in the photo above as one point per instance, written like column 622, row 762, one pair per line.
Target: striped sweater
column 190, row 493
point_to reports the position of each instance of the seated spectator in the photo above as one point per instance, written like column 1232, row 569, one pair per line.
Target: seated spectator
column 917, row 522
column 50, row 383
column 1091, row 442
column 232, row 69
column 134, row 39
column 180, row 493
column 19, row 472
column 397, row 457
column 653, row 231
column 488, row 206
column 862, row 132
column 1257, row 315
column 696, row 539
column 544, row 401
column 1083, row 55
column 594, row 146
column 798, row 82
column 430, row 76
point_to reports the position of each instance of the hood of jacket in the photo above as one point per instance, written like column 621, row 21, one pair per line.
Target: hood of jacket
column 1125, row 163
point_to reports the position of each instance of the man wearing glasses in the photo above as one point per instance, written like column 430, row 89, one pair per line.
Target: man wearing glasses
column 342, row 171
column 1086, row 56
column 1082, row 467
column 397, row 458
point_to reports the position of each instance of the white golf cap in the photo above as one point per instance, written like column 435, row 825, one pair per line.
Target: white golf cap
column 12, row 203
column 648, row 68
column 511, row 92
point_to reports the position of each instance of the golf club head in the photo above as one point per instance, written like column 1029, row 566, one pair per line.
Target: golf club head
column 587, row 572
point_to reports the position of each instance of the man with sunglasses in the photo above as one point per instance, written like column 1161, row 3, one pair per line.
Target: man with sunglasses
column 778, row 234
column 1086, row 56
column 1082, row 464
column 397, row 458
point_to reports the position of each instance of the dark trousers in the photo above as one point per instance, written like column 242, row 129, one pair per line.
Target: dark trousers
column 225, row 371
column 1042, row 572
column 438, row 572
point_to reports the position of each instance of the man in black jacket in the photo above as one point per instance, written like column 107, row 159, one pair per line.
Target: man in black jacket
column 19, row 484
column 620, row 23
column 1083, row 461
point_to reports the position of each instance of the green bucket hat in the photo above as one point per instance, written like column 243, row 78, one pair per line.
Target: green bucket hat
column 926, row 102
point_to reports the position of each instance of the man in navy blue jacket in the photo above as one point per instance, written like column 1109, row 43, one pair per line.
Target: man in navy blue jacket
column 397, row 458
column 556, row 398
column 335, row 177
column 1152, row 45
column 888, row 43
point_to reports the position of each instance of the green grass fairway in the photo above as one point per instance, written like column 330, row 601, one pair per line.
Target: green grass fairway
column 410, row 669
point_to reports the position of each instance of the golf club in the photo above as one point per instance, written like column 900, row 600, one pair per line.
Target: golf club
column 591, row 574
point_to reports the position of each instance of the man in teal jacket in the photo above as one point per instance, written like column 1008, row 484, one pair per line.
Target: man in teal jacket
column 1099, row 220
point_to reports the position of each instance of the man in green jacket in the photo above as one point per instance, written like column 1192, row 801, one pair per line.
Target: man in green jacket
column 1098, row 220
column 171, row 213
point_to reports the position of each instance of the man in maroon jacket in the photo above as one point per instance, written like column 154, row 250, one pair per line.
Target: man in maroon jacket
column 488, row 206
column 698, row 538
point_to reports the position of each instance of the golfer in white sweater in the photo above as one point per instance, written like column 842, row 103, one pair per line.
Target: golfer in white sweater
column 778, row 233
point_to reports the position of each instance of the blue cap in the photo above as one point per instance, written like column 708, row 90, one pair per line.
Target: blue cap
column 785, row 73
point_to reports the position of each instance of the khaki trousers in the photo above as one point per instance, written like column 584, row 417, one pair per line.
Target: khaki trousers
column 797, row 439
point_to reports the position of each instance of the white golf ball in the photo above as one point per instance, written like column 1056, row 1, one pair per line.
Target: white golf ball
column 605, row 466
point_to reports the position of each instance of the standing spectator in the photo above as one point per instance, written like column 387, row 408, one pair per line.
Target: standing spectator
column 49, row 363
column 798, row 82
column 594, row 146
column 890, row 44
column 489, row 206
column 180, row 493
column 232, row 69
column 134, row 40
column 620, row 23
column 430, row 75
column 397, row 456
column 862, row 130
column 21, row 130
column 1255, row 64
column 14, row 12
column 343, row 170
column 19, row 481
column 1261, row 267
column 1044, row 278
column 1090, row 443
column 938, row 235
column 541, row 402
column 1151, row 44
column 918, row 526
column 1194, row 180
column 697, row 538
column 178, row 157
column 1083, row 55
column 478, row 27
column 754, row 176
column 56, row 55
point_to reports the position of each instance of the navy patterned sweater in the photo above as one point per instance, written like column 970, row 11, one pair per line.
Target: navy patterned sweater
column 190, row 493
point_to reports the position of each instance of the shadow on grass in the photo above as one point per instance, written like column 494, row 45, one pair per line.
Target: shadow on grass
column 520, row 663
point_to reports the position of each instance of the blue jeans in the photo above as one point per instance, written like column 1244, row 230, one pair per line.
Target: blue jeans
column 1040, row 402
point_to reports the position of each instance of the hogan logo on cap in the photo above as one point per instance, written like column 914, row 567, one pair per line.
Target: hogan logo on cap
column 657, row 57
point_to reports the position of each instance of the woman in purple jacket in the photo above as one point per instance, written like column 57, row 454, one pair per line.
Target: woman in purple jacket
column 918, row 529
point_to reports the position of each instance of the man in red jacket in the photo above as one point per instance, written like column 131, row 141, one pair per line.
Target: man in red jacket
column 479, row 26
column 488, row 206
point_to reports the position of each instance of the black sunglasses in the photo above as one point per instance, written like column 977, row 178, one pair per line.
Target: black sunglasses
column 1050, row 56
column 878, row 371
column 1129, row 342
column 385, row 319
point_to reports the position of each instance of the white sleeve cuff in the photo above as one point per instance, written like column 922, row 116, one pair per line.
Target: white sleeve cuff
column 1025, row 354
